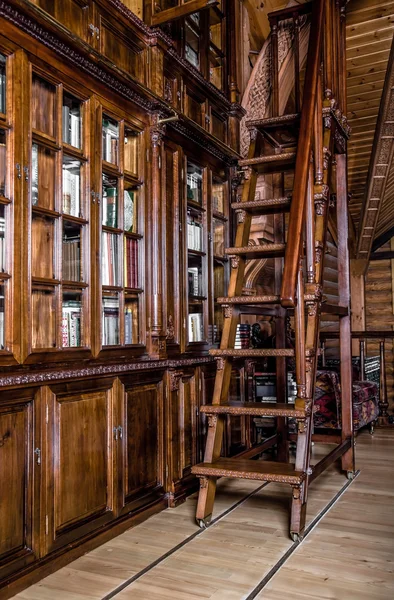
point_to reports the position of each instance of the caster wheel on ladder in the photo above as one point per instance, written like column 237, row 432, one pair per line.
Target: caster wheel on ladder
column 350, row 475
column 295, row 537
column 203, row 523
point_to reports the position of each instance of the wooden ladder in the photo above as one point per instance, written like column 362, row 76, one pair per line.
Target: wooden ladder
column 312, row 146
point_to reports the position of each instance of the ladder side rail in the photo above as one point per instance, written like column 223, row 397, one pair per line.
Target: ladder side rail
column 300, row 189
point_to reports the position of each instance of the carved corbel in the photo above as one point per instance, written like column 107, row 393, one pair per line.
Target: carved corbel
column 170, row 335
column 241, row 216
column 203, row 483
column 318, row 252
column 326, row 158
column 247, row 172
column 212, row 420
column 175, row 377
column 157, row 131
column 312, row 309
column 296, row 492
column 253, row 134
column 301, row 426
column 220, row 363
column 228, row 311
column 235, row 262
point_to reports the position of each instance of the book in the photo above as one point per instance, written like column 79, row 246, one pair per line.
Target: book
column 110, row 208
column 2, row 84
column 195, row 327
column 71, row 189
column 110, row 322
column 34, row 173
column 71, row 323
column 110, row 138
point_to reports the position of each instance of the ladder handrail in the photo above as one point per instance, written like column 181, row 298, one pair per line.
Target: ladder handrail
column 297, row 211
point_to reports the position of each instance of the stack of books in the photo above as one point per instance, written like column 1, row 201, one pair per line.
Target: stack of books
column 110, row 259
column 194, row 281
column 242, row 337
column 71, row 123
column 71, row 188
column 2, row 244
column 71, row 323
column 110, row 141
column 71, row 265
column 131, row 263
column 194, row 234
column 196, row 331
column 110, row 334
column 110, row 206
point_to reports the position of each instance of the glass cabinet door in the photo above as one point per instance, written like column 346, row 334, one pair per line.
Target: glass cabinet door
column 219, row 261
column 121, row 249
column 5, row 200
column 60, row 218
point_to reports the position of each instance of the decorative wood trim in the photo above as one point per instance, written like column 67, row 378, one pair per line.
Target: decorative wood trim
column 379, row 166
column 43, row 377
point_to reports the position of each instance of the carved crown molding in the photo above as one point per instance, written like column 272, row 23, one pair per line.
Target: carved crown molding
column 42, row 377
column 229, row 157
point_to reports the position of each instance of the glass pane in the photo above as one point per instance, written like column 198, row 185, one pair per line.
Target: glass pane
column 71, row 186
column 194, row 232
column 195, row 324
column 192, row 46
column 130, row 210
column 217, row 195
column 2, row 320
column 131, row 139
column 42, row 242
column 71, row 121
column 131, row 263
column 218, row 237
column 165, row 5
column 131, row 329
column 110, row 201
column 71, row 319
column 215, row 33
column 2, row 84
column 43, row 318
column 43, row 106
column 110, row 140
column 71, row 263
column 218, row 292
column 194, row 279
column 194, row 183
column 110, row 320
column 43, row 177
column 215, row 69
column 110, row 259
column 2, row 239
column 3, row 155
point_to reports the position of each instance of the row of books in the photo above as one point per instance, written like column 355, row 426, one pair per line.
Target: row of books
column 242, row 336
column 110, row 323
column 131, row 263
column 110, row 137
column 2, row 333
column 71, row 124
column 110, row 252
column 194, row 235
column 71, row 188
column 194, row 281
column 71, row 323
column 71, row 267
column 2, row 244
column 110, row 208
column 131, row 324
column 196, row 327
column 2, row 166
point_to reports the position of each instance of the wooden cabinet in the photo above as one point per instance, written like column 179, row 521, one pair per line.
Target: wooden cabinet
column 20, row 464
column 78, row 460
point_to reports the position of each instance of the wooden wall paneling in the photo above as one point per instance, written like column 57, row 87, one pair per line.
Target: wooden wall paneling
column 20, row 466
column 78, row 462
column 141, row 442
column 73, row 14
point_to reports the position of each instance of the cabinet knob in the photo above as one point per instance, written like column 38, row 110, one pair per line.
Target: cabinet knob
column 37, row 452
column 18, row 170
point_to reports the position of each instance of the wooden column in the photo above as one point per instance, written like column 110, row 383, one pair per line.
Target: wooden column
column 156, row 334
column 358, row 268
column 383, row 401
column 345, row 347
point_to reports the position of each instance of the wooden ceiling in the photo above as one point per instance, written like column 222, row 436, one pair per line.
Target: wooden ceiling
column 369, row 33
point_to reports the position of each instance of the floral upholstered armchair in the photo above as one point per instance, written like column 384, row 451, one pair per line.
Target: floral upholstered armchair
column 327, row 412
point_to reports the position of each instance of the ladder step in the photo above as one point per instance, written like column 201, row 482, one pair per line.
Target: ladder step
column 249, row 300
column 334, row 309
column 251, row 352
column 261, row 251
column 272, row 163
column 279, row 131
column 264, row 207
column 261, row 470
column 257, row 409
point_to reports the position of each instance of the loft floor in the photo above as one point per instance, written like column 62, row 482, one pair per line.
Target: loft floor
column 349, row 555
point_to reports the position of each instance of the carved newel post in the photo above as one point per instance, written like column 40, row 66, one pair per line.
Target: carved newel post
column 156, row 334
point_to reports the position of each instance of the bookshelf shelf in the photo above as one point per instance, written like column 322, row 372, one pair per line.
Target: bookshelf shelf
column 195, row 253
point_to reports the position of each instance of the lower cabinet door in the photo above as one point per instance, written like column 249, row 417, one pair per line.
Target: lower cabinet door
column 19, row 482
column 141, row 450
column 80, row 461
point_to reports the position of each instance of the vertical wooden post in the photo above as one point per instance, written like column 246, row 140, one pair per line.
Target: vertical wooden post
column 296, row 45
column 345, row 345
column 275, row 68
column 383, row 400
column 357, row 286
column 362, row 360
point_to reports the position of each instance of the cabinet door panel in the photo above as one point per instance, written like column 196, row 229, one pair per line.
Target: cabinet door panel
column 184, row 427
column 71, row 13
column 142, row 443
column 16, row 486
column 82, row 464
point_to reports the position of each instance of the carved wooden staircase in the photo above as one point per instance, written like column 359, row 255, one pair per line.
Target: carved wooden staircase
column 312, row 146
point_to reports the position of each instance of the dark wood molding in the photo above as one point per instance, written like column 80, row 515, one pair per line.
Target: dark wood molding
column 379, row 166
column 382, row 255
column 177, row 12
column 382, row 239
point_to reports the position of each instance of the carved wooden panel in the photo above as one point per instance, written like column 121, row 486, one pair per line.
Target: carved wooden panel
column 183, row 409
column 116, row 46
column 143, row 440
column 73, row 14
column 16, row 485
column 80, row 463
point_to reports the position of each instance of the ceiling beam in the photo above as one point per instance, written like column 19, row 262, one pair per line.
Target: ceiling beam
column 379, row 166
column 382, row 239
column 177, row 12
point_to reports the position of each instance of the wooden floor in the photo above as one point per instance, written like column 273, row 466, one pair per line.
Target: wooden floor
column 349, row 555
